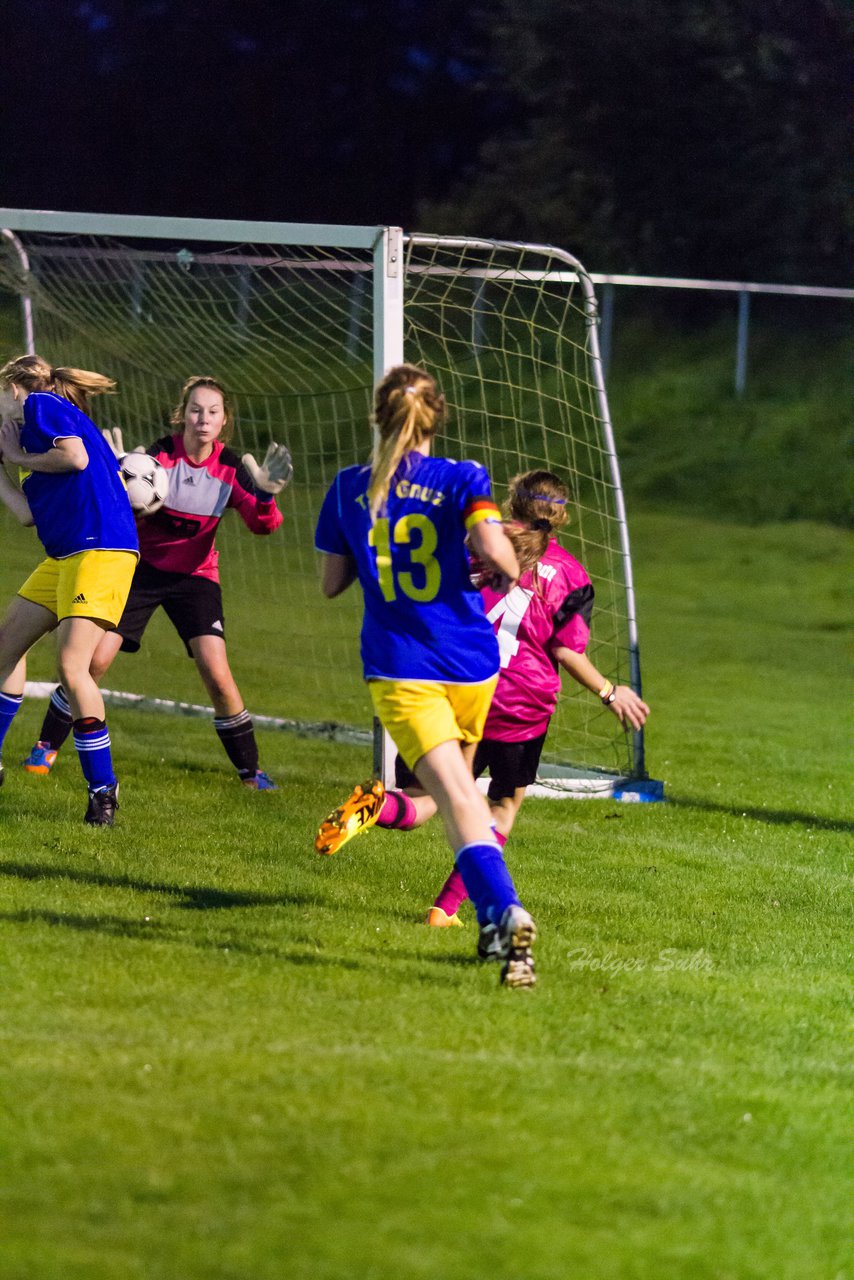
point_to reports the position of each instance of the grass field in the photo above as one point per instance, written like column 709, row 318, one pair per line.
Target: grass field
column 226, row 1058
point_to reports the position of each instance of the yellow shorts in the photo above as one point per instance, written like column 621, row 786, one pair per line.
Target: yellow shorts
column 419, row 714
column 90, row 584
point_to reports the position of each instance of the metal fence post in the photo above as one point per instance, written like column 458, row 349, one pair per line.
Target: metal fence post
column 606, row 326
column 741, row 342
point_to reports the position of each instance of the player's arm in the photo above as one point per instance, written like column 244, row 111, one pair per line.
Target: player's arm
column 68, row 453
column 12, row 497
column 493, row 548
column 485, row 531
column 337, row 573
column 619, row 698
column 337, row 563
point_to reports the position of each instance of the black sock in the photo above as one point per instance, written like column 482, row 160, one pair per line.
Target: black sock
column 57, row 722
column 237, row 735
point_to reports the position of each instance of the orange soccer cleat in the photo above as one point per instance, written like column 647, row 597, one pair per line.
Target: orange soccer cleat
column 436, row 918
column 358, row 812
column 41, row 759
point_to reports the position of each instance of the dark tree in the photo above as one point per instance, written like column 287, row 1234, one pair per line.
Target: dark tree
column 671, row 136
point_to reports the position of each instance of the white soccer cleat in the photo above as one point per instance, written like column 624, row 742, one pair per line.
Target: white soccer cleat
column 517, row 933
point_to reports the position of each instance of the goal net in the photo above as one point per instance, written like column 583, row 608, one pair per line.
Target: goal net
column 298, row 322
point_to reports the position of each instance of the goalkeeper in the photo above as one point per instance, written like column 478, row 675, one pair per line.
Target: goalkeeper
column 179, row 571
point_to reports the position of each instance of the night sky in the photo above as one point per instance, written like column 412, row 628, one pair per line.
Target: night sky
column 300, row 111
column 658, row 135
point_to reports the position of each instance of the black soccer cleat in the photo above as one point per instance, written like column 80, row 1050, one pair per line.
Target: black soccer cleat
column 489, row 943
column 102, row 806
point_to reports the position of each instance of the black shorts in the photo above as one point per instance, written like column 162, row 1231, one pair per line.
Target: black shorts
column 192, row 604
column 510, row 764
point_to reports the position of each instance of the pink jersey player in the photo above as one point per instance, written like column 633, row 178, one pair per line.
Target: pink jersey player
column 549, row 608
column 179, row 538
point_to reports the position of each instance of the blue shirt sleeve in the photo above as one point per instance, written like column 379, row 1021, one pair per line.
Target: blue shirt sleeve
column 47, row 418
column 329, row 535
column 474, row 494
column 476, row 481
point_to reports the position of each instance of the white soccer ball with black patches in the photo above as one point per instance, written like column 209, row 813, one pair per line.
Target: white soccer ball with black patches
column 146, row 481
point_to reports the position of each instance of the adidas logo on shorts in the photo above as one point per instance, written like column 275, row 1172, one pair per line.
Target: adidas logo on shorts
column 81, row 599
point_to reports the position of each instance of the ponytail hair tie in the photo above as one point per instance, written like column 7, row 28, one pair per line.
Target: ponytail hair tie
column 542, row 526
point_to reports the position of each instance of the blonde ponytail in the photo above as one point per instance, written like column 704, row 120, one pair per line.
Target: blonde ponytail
column 33, row 373
column 408, row 409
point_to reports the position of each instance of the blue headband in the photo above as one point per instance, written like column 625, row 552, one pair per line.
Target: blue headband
column 540, row 497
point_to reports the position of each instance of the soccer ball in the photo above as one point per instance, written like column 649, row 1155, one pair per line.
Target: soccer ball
column 146, row 481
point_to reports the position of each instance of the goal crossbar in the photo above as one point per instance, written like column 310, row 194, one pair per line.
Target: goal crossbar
column 233, row 230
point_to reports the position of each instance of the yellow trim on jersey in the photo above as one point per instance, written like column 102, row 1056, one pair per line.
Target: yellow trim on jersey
column 480, row 513
column 419, row 714
column 90, row 584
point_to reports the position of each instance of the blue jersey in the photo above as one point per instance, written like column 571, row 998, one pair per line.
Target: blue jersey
column 423, row 619
column 74, row 510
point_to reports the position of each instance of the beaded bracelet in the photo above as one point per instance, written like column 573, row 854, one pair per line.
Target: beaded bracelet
column 607, row 693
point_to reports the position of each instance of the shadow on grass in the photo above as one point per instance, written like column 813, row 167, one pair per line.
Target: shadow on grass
column 405, row 955
column 455, row 959
column 776, row 817
column 154, row 931
column 190, row 897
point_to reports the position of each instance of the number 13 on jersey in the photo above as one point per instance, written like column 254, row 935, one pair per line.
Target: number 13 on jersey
column 383, row 539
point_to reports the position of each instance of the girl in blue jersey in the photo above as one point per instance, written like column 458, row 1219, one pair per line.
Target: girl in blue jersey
column 429, row 654
column 72, row 492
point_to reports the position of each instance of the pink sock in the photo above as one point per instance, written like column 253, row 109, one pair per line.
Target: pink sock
column 452, row 894
column 397, row 811
column 502, row 840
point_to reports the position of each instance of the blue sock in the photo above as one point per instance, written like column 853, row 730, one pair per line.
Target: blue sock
column 92, row 740
column 9, row 704
column 487, row 881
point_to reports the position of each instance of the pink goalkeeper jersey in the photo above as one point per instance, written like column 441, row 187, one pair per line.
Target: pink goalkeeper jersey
column 530, row 622
column 179, row 538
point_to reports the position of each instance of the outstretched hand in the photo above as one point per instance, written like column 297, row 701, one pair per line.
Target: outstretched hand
column 274, row 472
column 113, row 437
column 628, row 707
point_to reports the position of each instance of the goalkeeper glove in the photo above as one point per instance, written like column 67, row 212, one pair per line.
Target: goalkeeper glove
column 113, row 437
column 274, row 472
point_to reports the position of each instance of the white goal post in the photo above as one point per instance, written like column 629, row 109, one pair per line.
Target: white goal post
column 300, row 320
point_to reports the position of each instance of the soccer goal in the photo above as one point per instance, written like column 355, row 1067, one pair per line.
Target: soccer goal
column 299, row 321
